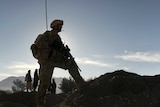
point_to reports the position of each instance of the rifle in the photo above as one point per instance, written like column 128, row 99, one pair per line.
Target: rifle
column 69, row 56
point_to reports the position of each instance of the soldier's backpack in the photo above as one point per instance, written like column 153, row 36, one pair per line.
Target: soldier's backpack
column 34, row 50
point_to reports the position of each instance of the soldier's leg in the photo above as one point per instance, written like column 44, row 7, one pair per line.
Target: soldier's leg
column 64, row 63
column 46, row 71
column 27, row 86
column 74, row 72
column 30, row 86
column 70, row 64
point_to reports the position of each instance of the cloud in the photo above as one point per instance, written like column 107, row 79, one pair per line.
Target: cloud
column 119, row 66
column 21, row 67
column 98, row 56
column 6, row 75
column 93, row 62
column 140, row 56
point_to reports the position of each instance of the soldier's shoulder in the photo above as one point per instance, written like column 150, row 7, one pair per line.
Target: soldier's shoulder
column 46, row 32
column 40, row 36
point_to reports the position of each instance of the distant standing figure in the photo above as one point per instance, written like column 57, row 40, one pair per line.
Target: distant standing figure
column 28, row 79
column 52, row 87
column 35, row 80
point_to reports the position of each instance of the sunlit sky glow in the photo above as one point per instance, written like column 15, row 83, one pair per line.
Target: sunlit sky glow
column 103, row 35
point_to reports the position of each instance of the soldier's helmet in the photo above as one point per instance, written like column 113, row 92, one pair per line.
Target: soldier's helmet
column 56, row 22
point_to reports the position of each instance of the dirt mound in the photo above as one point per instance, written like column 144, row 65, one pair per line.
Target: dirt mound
column 115, row 89
column 25, row 99
column 118, row 89
column 19, row 99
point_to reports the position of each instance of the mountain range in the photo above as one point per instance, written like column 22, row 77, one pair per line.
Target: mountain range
column 7, row 83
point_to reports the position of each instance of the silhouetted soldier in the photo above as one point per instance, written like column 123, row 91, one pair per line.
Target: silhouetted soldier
column 52, row 87
column 28, row 79
column 35, row 80
column 51, row 52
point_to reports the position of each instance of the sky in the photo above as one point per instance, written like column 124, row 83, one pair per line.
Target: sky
column 103, row 35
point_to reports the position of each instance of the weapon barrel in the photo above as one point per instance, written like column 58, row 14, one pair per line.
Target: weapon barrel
column 71, row 57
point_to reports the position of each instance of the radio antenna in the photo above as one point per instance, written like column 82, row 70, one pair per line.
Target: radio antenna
column 46, row 14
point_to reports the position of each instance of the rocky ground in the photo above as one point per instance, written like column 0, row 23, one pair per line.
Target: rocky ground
column 115, row 89
column 25, row 99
